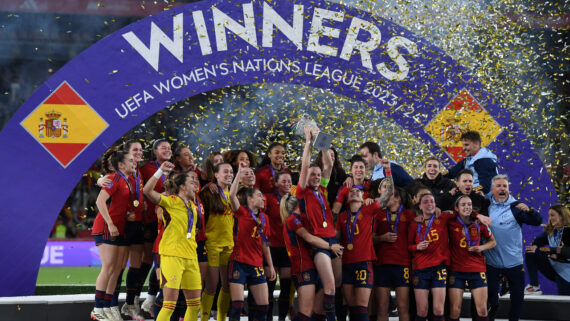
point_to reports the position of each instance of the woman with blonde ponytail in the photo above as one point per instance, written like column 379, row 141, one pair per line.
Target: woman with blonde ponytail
column 299, row 243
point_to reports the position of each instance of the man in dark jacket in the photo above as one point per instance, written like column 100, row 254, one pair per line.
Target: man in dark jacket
column 433, row 180
column 464, row 186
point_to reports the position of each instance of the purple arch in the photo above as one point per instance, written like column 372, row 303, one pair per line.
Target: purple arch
column 397, row 72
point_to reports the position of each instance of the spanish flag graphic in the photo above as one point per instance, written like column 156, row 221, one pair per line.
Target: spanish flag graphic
column 461, row 114
column 64, row 124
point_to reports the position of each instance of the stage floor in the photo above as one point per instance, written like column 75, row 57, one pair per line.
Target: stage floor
column 78, row 308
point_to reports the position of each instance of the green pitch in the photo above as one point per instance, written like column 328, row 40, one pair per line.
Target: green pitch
column 66, row 280
column 67, row 275
column 69, row 280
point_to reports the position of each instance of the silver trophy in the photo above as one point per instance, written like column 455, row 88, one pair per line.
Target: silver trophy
column 321, row 140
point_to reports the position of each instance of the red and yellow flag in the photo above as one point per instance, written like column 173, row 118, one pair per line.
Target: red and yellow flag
column 64, row 124
column 461, row 114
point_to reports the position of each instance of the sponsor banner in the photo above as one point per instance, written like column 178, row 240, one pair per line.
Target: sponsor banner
column 70, row 253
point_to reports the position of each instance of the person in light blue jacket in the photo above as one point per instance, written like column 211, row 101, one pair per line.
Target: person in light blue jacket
column 479, row 159
column 543, row 254
column 507, row 216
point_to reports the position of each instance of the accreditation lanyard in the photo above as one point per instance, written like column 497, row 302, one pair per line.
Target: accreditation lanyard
column 389, row 219
column 466, row 229
column 558, row 236
column 351, row 228
column 260, row 229
column 320, row 198
column 428, row 227
column 132, row 197
column 190, row 218
column 157, row 168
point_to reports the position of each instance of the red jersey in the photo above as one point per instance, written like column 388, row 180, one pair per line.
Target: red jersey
column 147, row 172
column 461, row 259
column 438, row 250
column 342, row 195
column 397, row 252
column 272, row 208
column 201, row 222
column 362, row 247
column 299, row 251
column 312, row 203
column 121, row 204
column 247, row 238
column 265, row 178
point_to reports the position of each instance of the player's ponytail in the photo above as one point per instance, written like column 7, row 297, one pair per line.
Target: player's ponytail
column 111, row 160
column 287, row 206
column 106, row 161
column 170, row 186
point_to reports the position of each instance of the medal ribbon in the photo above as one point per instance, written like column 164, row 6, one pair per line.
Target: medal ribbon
column 272, row 170
column 260, row 229
column 222, row 193
column 137, row 176
column 199, row 208
column 157, row 168
column 466, row 229
column 361, row 187
column 389, row 219
column 350, row 230
column 320, row 198
column 428, row 227
column 132, row 197
column 190, row 217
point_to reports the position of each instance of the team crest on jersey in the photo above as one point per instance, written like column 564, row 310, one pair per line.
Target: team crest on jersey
column 236, row 274
column 416, row 280
column 402, row 218
column 173, row 279
column 451, row 279
column 437, row 221
column 306, row 276
column 473, row 232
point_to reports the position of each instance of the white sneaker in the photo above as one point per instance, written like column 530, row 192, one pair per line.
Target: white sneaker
column 138, row 305
column 131, row 311
column 532, row 290
column 97, row 314
column 116, row 314
column 148, row 303
column 108, row 314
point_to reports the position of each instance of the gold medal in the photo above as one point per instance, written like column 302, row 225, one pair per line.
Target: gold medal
column 350, row 246
column 325, row 224
column 136, row 203
column 188, row 235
